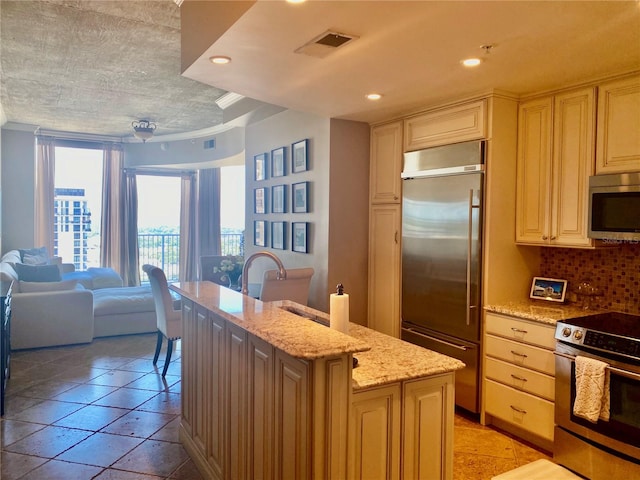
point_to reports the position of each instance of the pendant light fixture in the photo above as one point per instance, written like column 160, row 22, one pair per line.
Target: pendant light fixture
column 143, row 129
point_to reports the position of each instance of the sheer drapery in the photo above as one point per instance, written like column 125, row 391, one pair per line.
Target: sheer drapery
column 209, row 211
column 45, row 193
column 188, row 228
column 131, row 267
column 119, row 231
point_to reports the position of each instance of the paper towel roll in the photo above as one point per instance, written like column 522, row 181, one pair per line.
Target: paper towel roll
column 339, row 312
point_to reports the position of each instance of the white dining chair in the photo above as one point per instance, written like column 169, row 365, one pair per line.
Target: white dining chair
column 169, row 321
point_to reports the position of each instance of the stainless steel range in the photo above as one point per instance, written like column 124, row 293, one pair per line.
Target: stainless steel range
column 602, row 449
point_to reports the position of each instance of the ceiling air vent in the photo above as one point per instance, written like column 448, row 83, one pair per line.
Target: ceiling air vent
column 325, row 43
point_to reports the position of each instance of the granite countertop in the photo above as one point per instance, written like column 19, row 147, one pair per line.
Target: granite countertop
column 303, row 332
column 543, row 313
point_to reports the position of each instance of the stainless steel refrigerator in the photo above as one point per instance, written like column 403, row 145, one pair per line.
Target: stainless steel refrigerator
column 441, row 256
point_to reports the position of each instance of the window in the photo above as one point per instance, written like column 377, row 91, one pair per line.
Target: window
column 232, row 210
column 78, row 205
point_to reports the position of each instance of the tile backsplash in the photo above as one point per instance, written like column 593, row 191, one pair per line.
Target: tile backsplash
column 615, row 272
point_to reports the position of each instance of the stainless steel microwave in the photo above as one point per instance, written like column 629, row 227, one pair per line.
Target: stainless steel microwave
column 614, row 207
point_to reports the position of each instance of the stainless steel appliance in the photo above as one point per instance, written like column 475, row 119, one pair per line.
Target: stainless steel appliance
column 441, row 256
column 604, row 449
column 614, row 206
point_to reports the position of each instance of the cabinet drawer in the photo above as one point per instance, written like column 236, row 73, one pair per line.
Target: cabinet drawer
column 519, row 408
column 520, row 331
column 520, row 354
column 521, row 378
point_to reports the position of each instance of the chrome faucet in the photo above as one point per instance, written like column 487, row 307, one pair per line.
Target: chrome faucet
column 282, row 273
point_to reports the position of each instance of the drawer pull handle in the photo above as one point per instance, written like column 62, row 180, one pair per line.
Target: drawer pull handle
column 519, row 410
column 518, row 330
column 521, row 379
column 523, row 355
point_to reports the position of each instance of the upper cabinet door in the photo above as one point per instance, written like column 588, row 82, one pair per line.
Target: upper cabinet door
column 448, row 125
column 573, row 164
column 386, row 163
column 618, row 143
column 533, row 180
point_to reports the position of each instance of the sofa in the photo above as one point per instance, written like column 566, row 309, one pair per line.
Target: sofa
column 71, row 307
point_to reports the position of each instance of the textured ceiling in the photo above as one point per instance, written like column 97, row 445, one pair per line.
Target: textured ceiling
column 95, row 66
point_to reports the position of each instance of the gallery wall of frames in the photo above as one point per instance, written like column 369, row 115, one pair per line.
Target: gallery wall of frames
column 281, row 195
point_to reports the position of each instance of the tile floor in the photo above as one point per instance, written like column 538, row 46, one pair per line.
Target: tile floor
column 102, row 411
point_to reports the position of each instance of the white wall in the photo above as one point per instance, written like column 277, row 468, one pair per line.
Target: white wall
column 338, row 202
column 18, row 189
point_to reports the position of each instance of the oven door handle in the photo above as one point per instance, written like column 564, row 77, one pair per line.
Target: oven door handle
column 617, row 371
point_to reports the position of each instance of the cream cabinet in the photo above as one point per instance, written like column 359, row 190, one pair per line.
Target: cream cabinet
column 374, row 429
column 385, row 186
column 519, row 374
column 403, row 430
column 384, row 269
column 554, row 161
column 618, row 143
column 386, row 163
column 459, row 123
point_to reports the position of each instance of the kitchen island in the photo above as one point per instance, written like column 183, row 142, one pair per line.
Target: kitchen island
column 268, row 391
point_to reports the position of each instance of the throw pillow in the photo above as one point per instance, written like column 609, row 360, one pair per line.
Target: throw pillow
column 37, row 273
column 34, row 256
column 31, row 287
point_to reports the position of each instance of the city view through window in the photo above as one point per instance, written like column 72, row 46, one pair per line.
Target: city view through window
column 78, row 197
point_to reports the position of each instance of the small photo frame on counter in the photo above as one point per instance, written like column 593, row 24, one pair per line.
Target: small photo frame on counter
column 549, row 289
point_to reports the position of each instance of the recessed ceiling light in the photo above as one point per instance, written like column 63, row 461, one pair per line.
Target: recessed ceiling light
column 219, row 59
column 296, row 1
column 471, row 62
column 374, row 96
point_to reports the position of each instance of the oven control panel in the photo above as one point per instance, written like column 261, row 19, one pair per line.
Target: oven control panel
column 596, row 340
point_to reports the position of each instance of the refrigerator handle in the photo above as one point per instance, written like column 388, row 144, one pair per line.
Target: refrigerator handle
column 439, row 340
column 469, row 254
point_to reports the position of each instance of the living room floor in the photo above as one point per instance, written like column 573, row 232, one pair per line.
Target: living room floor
column 103, row 411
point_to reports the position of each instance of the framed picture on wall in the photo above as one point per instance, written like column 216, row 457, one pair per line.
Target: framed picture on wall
column 299, row 156
column 278, row 235
column 260, row 233
column 278, row 159
column 278, row 199
column 260, row 166
column 299, row 231
column 300, row 197
column 260, row 200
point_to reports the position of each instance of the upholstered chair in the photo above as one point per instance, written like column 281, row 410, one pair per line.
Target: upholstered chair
column 169, row 321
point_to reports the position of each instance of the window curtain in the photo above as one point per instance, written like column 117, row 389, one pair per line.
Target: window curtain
column 45, row 193
column 209, row 211
column 188, row 229
column 119, row 231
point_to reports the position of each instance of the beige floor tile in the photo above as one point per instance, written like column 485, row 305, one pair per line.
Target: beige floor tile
column 169, row 433
column 126, row 398
column 15, row 465
column 468, row 466
column 100, row 449
column 14, row 430
column 114, row 474
column 57, row 470
column 92, row 417
column 164, row 402
column 187, row 471
column 85, row 393
column 116, row 378
column 47, row 389
column 482, row 442
column 138, row 424
column 154, row 382
column 153, row 457
column 46, row 412
column 48, row 442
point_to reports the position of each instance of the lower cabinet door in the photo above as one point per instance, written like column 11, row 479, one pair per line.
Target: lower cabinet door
column 528, row 412
column 374, row 433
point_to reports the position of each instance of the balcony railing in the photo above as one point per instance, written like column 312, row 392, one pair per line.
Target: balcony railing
column 163, row 250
